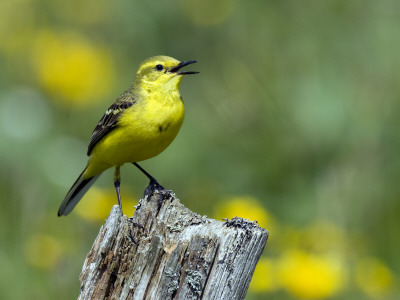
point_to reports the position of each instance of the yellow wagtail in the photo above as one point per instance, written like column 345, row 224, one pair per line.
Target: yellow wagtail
column 140, row 124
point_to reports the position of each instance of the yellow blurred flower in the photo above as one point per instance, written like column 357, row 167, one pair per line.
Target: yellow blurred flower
column 208, row 12
column 264, row 277
column 97, row 204
column 42, row 251
column 310, row 276
column 245, row 207
column 374, row 278
column 73, row 70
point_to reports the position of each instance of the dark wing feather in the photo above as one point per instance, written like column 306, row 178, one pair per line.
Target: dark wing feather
column 109, row 120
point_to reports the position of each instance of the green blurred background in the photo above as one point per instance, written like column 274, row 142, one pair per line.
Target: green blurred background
column 292, row 121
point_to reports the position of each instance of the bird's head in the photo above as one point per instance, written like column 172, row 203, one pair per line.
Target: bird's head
column 162, row 72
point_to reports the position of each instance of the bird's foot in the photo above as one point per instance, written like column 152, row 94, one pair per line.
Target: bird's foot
column 153, row 187
column 130, row 220
column 133, row 238
column 136, row 224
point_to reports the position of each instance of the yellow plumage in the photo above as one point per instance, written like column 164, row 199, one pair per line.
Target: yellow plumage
column 140, row 124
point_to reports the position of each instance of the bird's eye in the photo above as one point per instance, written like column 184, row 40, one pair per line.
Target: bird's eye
column 159, row 67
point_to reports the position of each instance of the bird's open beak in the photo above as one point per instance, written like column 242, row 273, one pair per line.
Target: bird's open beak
column 182, row 64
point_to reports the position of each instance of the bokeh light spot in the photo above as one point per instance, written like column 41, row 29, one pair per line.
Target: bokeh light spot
column 74, row 71
column 374, row 278
column 311, row 276
column 264, row 279
column 42, row 251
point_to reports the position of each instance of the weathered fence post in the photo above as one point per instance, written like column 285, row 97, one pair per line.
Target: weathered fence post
column 179, row 254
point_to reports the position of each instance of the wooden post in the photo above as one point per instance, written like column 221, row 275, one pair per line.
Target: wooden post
column 179, row 254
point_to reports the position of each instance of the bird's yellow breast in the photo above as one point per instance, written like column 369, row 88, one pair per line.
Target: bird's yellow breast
column 144, row 130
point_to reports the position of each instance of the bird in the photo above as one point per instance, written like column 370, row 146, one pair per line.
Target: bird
column 140, row 124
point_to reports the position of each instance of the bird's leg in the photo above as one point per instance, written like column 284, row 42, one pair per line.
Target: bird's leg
column 117, row 182
column 153, row 185
column 153, row 181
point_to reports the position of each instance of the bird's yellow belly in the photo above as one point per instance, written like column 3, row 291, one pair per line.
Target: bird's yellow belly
column 143, row 135
column 138, row 145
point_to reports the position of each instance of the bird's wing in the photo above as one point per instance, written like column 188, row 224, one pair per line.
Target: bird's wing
column 110, row 119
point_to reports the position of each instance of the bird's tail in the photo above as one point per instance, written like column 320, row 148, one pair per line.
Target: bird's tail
column 79, row 188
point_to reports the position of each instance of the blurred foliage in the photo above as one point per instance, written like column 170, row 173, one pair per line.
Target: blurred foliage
column 292, row 121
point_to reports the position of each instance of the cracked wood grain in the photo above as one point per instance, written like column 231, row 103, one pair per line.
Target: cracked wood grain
column 179, row 254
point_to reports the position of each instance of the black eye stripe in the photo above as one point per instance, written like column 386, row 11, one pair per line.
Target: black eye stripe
column 159, row 67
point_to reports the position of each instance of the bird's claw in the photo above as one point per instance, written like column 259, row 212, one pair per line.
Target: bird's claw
column 153, row 187
column 135, row 223
column 130, row 220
